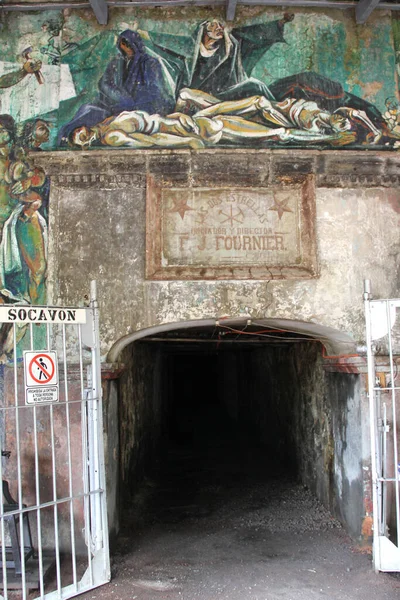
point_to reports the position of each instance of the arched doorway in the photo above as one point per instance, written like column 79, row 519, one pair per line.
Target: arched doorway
column 262, row 382
column 237, row 424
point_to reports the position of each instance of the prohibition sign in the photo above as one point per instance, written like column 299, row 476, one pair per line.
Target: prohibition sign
column 41, row 369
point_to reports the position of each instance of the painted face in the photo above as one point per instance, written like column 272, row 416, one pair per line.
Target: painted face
column 41, row 132
column 4, row 136
column 339, row 122
column 215, row 30
column 125, row 48
column 83, row 136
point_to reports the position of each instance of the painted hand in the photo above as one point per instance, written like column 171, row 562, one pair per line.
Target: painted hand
column 21, row 186
column 187, row 123
column 143, row 34
column 32, row 66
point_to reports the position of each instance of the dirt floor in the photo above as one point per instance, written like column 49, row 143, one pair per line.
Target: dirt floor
column 215, row 528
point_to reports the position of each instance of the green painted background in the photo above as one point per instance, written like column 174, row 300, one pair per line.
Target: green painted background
column 362, row 58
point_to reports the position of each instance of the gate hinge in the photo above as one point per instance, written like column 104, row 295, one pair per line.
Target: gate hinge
column 384, row 428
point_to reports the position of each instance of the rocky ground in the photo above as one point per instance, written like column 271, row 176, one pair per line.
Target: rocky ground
column 216, row 528
column 230, row 524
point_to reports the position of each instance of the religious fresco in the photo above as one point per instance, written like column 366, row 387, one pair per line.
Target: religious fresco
column 177, row 79
column 181, row 79
column 188, row 80
column 24, row 191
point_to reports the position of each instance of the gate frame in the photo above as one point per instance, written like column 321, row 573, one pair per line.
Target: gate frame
column 386, row 554
column 94, row 495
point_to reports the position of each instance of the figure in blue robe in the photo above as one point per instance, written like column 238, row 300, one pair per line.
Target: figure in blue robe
column 133, row 80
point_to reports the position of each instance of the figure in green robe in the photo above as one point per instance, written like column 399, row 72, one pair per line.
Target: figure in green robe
column 23, row 230
column 217, row 61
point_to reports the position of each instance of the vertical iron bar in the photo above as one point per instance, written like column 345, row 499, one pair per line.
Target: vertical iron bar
column 384, row 471
column 85, row 467
column 373, row 425
column 19, row 473
column 38, row 510
column 3, row 533
column 101, row 498
column 3, row 537
column 395, row 449
column 94, row 451
column 379, row 455
column 55, row 510
column 71, row 505
column 37, row 484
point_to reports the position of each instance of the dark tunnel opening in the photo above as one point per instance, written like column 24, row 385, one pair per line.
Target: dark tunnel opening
column 208, row 422
column 211, row 447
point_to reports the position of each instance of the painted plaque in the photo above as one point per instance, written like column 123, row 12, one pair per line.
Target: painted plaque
column 231, row 233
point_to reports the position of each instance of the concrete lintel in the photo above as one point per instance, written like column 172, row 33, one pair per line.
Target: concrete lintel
column 112, row 371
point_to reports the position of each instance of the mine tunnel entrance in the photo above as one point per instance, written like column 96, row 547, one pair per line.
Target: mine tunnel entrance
column 241, row 426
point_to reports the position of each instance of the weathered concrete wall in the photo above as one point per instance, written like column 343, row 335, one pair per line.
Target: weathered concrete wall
column 112, row 454
column 343, row 391
column 98, row 226
column 140, row 415
column 309, row 419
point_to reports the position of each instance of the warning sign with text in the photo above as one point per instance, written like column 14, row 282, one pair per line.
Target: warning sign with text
column 41, row 377
column 41, row 395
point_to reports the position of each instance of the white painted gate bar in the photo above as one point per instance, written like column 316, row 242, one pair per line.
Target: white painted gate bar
column 383, row 343
column 56, row 468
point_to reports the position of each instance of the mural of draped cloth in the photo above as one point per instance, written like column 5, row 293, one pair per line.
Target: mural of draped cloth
column 23, row 257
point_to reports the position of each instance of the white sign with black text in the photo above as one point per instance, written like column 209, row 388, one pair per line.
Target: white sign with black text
column 41, row 314
column 41, row 377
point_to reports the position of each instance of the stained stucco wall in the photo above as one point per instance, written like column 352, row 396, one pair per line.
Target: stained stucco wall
column 98, row 231
column 140, row 415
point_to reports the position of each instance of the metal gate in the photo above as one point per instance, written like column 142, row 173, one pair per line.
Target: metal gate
column 53, row 518
column 383, row 350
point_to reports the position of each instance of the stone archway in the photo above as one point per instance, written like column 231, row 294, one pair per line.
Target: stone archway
column 317, row 421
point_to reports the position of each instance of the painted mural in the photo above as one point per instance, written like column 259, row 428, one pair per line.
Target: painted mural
column 24, row 191
column 177, row 79
column 187, row 79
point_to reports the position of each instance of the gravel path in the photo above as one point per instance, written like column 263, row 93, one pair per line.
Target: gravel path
column 229, row 534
